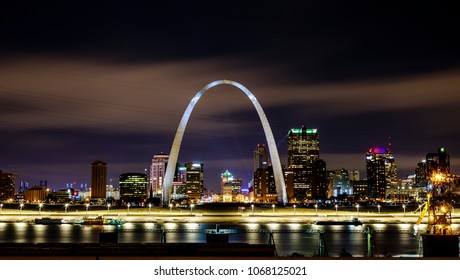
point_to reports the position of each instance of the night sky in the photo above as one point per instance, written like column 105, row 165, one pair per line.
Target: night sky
column 110, row 80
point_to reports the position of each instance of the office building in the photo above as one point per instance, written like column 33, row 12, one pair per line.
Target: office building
column 438, row 162
column 434, row 163
column 133, row 187
column 380, row 172
column 341, row 183
column 7, row 185
column 264, row 189
column 230, row 187
column 308, row 171
column 226, row 186
column 194, row 181
column 98, row 180
column 35, row 194
column 261, row 160
column 157, row 173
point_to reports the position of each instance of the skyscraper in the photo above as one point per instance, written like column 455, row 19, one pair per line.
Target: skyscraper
column 230, row 186
column 157, row 173
column 260, row 157
column 434, row 163
column 98, row 179
column 438, row 162
column 380, row 171
column 303, row 147
column 341, row 183
column 226, row 186
column 7, row 185
column 308, row 171
column 194, row 181
column 264, row 186
column 133, row 187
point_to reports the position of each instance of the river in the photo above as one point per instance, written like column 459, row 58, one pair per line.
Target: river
column 390, row 239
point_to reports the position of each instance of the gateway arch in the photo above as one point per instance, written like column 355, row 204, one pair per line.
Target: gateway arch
column 174, row 154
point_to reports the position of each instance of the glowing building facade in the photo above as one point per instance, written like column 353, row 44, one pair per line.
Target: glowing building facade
column 133, row 187
column 194, row 181
column 157, row 173
column 381, row 171
column 308, row 171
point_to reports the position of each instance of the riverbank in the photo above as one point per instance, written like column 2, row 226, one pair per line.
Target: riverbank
column 221, row 217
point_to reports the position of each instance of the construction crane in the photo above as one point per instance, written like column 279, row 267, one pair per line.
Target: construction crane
column 438, row 206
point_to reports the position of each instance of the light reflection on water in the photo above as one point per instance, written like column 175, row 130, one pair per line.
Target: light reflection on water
column 390, row 239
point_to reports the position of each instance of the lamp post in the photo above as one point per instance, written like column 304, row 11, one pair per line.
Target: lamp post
column 128, row 205
column 20, row 208
column 65, row 207
column 170, row 208
column 40, row 209
column 191, row 209
column 1, row 208
column 252, row 209
column 108, row 208
column 150, row 206
column 87, row 206
column 404, row 209
column 336, row 206
column 357, row 209
column 273, row 207
column 378, row 207
column 316, row 209
column 294, row 208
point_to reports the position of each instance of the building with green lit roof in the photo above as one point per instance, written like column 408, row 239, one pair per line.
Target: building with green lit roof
column 308, row 171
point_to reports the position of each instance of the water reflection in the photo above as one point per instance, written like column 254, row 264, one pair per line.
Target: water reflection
column 289, row 238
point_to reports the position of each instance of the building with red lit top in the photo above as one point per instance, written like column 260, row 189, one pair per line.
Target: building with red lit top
column 380, row 172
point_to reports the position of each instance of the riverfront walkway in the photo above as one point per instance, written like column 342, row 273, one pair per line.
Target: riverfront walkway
column 229, row 215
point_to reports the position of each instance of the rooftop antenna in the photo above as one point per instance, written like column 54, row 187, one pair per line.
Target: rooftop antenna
column 389, row 144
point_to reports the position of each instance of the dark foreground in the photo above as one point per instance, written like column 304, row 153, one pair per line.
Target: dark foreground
column 101, row 251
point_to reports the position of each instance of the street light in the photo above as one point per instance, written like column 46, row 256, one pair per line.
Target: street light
column 40, row 209
column 170, row 208
column 336, row 210
column 128, row 205
column 1, row 208
column 404, row 208
column 66, row 206
column 108, row 208
column 252, row 209
column 191, row 208
column 316, row 209
column 357, row 209
column 294, row 208
column 150, row 206
column 20, row 208
column 378, row 207
column 87, row 206
column 273, row 207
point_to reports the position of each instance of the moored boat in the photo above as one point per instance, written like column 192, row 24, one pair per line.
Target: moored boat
column 99, row 220
column 48, row 221
column 353, row 221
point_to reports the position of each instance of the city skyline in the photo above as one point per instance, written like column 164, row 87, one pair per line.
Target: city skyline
column 114, row 87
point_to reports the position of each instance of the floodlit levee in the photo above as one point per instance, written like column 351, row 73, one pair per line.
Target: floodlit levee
column 274, row 156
